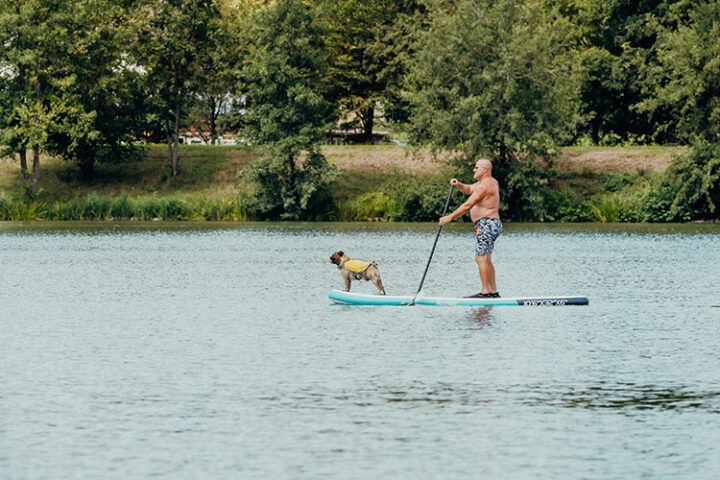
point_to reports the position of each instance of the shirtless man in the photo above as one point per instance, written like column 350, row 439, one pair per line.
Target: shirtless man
column 483, row 205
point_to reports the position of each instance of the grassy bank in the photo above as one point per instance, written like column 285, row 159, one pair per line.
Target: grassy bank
column 375, row 182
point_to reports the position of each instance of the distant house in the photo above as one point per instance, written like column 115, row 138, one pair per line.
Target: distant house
column 192, row 137
column 353, row 136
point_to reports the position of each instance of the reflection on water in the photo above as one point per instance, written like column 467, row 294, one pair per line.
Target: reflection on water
column 628, row 396
column 481, row 317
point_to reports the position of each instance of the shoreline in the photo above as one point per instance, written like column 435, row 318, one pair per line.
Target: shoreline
column 375, row 183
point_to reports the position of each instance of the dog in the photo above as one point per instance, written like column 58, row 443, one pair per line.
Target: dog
column 357, row 270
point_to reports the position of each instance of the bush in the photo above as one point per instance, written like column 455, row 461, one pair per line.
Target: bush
column 566, row 205
column 608, row 208
column 615, row 182
column 223, row 209
column 689, row 189
column 289, row 189
column 121, row 207
column 371, row 205
column 523, row 192
column 651, row 204
column 417, row 199
column 21, row 209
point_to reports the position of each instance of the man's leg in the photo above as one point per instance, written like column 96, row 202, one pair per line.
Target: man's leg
column 487, row 273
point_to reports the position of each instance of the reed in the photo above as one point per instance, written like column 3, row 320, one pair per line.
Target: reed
column 125, row 207
column 608, row 208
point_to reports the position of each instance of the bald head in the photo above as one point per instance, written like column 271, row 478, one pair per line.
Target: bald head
column 482, row 168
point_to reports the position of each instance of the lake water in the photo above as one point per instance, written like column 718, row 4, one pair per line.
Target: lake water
column 211, row 351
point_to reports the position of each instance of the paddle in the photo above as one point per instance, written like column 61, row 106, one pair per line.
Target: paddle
column 447, row 202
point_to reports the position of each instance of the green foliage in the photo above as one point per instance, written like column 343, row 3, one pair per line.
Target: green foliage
column 19, row 209
column 370, row 206
column 566, row 205
column 493, row 78
column 688, row 190
column 124, row 207
column 608, row 208
column 176, row 47
column 653, row 204
column 686, row 80
column 616, row 182
column 416, row 198
column 369, row 41
column 290, row 189
column 285, row 79
column 222, row 209
column 523, row 195
column 698, row 178
column 65, row 90
column 617, row 54
column 288, row 111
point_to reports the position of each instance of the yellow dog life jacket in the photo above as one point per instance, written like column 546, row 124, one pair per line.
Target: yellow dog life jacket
column 357, row 266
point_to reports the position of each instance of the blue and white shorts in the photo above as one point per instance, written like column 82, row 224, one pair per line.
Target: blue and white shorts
column 487, row 230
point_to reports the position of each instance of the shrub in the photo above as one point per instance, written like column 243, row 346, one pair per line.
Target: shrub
column 417, row 199
column 222, row 209
column 698, row 179
column 369, row 206
column 291, row 190
column 523, row 191
column 608, row 208
column 689, row 189
column 615, row 182
column 566, row 205
column 121, row 207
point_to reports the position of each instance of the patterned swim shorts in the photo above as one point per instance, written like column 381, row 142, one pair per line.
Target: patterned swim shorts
column 487, row 230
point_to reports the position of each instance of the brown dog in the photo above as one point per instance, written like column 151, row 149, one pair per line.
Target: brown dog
column 357, row 270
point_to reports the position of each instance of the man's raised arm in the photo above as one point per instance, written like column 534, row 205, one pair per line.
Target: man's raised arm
column 461, row 186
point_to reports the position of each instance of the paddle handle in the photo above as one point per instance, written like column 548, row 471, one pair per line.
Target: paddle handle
column 447, row 202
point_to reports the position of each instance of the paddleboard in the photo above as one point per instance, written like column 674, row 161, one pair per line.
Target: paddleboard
column 349, row 298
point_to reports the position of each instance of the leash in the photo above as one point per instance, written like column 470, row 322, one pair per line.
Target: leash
column 447, row 202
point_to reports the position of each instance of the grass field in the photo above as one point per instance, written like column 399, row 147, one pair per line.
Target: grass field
column 212, row 171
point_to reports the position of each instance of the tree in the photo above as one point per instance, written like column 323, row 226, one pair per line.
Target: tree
column 686, row 80
column 26, row 115
column 495, row 78
column 215, row 100
column 286, row 86
column 175, row 40
column 98, row 83
column 369, row 41
column 617, row 46
column 66, row 91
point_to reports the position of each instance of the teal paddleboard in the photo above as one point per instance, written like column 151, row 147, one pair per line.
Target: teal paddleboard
column 349, row 298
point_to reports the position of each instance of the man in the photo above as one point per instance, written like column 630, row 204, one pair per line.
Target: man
column 483, row 205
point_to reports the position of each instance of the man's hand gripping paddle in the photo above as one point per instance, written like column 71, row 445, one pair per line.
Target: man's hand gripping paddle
column 447, row 202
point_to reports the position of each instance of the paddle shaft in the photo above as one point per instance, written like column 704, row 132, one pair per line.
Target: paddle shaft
column 447, row 202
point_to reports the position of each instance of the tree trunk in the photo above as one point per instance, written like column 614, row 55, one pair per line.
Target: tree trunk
column 292, row 180
column 23, row 164
column 21, row 83
column 213, row 121
column 368, row 119
column 595, row 132
column 36, row 165
column 87, row 168
column 503, row 154
column 176, row 134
